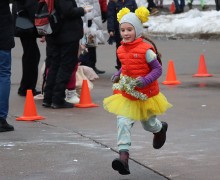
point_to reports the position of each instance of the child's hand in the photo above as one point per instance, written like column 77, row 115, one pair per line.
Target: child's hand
column 111, row 40
column 111, row 33
column 82, row 46
column 42, row 39
column 115, row 78
column 140, row 82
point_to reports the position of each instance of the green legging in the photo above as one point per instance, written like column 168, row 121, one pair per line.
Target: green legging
column 202, row 2
column 124, row 126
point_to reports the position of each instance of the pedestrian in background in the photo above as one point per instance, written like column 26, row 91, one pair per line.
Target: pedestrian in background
column 31, row 52
column 179, row 6
column 217, row 5
column 139, row 98
column 103, row 6
column 6, row 44
column 63, row 46
column 93, row 32
column 202, row 4
column 114, row 6
column 159, row 3
column 152, row 7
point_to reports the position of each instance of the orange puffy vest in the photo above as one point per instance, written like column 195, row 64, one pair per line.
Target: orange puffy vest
column 133, row 59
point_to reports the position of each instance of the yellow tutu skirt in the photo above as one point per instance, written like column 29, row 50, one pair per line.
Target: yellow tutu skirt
column 136, row 109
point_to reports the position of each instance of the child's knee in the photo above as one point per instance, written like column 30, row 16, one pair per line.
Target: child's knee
column 152, row 124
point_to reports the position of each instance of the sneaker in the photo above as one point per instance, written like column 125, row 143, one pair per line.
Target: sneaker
column 4, row 126
column 39, row 97
column 160, row 137
column 72, row 96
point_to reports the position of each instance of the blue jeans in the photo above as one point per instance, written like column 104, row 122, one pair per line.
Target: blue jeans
column 5, row 82
column 179, row 4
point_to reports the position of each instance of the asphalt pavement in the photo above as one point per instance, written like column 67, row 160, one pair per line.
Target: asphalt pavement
column 80, row 143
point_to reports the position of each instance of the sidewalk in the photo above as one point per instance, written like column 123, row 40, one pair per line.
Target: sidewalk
column 80, row 144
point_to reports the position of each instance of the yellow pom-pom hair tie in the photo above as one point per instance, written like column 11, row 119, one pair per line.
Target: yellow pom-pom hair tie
column 142, row 13
column 122, row 12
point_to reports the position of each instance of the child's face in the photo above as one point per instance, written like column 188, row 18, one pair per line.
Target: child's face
column 127, row 32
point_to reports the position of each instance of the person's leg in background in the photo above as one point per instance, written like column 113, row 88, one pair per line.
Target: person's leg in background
column 61, row 67
column 30, row 62
column 52, row 51
column 182, row 5
column 5, row 84
column 92, row 59
column 68, row 61
column 190, row 4
column 217, row 5
column 71, row 94
column 92, row 56
column 203, row 5
column 179, row 6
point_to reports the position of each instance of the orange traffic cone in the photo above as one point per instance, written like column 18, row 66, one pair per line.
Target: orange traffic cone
column 171, row 75
column 30, row 112
column 172, row 8
column 202, row 70
column 85, row 98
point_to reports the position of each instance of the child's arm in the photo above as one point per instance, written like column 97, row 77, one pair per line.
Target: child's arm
column 155, row 73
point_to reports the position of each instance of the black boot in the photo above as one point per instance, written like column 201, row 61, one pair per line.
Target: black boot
column 63, row 105
column 24, row 92
column 46, row 104
column 160, row 137
column 4, row 126
column 121, row 164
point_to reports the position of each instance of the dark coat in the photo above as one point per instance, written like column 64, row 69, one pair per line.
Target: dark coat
column 114, row 6
column 72, row 24
column 6, row 26
column 29, row 7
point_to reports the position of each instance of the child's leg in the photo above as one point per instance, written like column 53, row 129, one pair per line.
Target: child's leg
column 152, row 124
column 124, row 141
column 124, row 126
column 72, row 82
column 159, row 130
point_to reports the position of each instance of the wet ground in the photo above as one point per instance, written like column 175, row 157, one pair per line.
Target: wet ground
column 80, row 144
